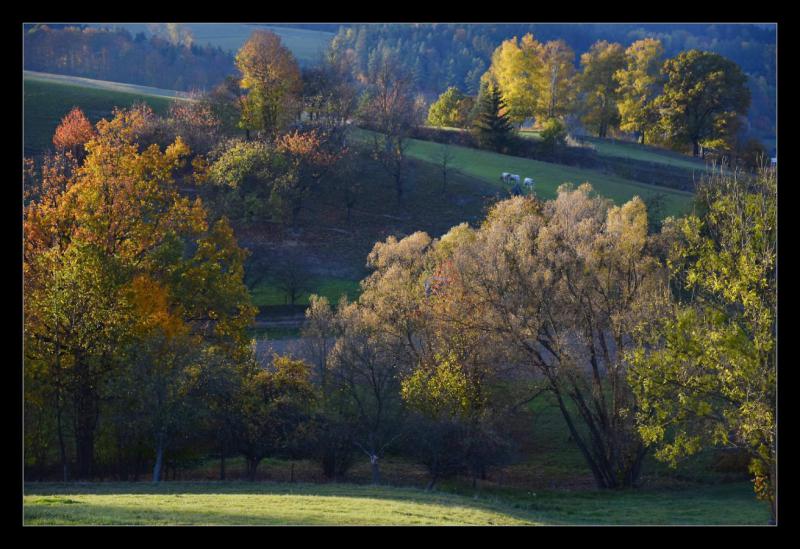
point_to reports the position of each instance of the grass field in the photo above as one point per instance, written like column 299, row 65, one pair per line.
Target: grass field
column 46, row 102
column 488, row 166
column 314, row 504
column 306, row 45
column 634, row 151
column 266, row 294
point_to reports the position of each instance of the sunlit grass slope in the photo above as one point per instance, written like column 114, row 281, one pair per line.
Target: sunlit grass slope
column 312, row 504
column 488, row 166
column 242, row 503
column 634, row 151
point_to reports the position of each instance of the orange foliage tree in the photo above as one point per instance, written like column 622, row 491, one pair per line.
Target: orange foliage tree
column 73, row 133
column 119, row 266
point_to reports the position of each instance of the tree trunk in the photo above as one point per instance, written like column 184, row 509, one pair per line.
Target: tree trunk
column 376, row 469
column 84, row 443
column 432, row 483
column 695, row 148
column 62, row 447
column 398, row 185
column 159, row 459
column 85, row 419
column 222, row 462
column 252, row 467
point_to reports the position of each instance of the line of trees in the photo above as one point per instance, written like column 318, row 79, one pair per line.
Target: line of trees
column 167, row 59
column 696, row 99
column 452, row 55
column 135, row 342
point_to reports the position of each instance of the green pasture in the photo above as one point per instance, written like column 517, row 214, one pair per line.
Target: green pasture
column 45, row 103
column 488, row 166
column 267, row 294
column 241, row 503
column 635, row 151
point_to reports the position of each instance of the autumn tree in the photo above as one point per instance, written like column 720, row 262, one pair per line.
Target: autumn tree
column 705, row 374
column 226, row 101
column 565, row 310
column 598, row 87
column 388, row 107
column 310, row 156
column 275, row 411
column 195, row 122
column 272, row 79
column 640, row 82
column 364, row 368
column 557, row 81
column 703, row 91
column 117, row 223
column 236, row 181
column 292, row 277
column 330, row 97
column 451, row 109
column 73, row 133
column 517, row 69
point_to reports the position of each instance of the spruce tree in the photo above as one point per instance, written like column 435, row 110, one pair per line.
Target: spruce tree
column 492, row 126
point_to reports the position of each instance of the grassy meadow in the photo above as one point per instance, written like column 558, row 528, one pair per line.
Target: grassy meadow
column 488, row 166
column 635, row 151
column 47, row 101
column 266, row 294
column 552, row 486
column 267, row 503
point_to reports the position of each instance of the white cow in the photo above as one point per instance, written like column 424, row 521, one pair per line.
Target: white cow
column 513, row 177
column 528, row 182
column 504, row 176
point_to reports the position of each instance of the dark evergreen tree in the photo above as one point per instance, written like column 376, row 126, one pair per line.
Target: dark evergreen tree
column 492, row 126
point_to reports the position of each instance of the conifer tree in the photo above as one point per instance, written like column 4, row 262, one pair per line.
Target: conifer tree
column 492, row 125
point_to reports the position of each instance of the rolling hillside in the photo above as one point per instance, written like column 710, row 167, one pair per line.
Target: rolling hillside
column 488, row 166
column 48, row 97
column 237, row 503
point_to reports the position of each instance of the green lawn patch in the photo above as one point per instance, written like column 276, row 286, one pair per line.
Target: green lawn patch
column 267, row 294
column 237, row 503
column 46, row 102
column 488, row 166
column 310, row 504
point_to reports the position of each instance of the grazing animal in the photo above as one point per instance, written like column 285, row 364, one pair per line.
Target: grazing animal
column 514, row 177
column 528, row 182
column 504, row 177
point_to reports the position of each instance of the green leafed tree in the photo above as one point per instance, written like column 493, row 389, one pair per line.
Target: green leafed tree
column 705, row 374
column 450, row 110
column 517, row 69
column 640, row 82
column 701, row 91
column 598, row 87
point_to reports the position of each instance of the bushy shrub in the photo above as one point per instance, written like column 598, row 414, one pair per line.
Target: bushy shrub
column 553, row 133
